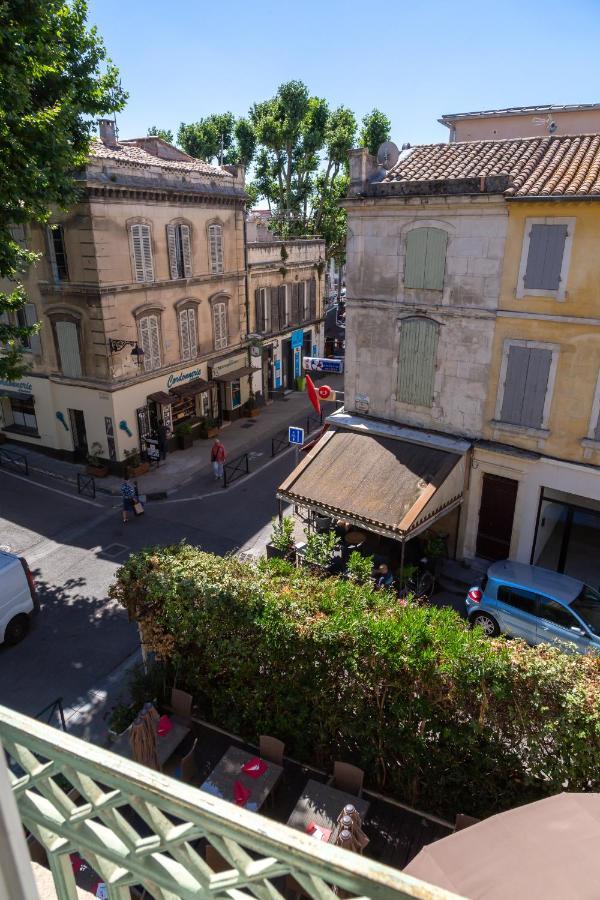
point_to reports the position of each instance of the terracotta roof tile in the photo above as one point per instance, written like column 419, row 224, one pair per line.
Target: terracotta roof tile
column 548, row 166
column 134, row 155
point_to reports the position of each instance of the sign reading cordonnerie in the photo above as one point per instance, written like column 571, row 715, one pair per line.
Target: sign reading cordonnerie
column 183, row 376
column 24, row 386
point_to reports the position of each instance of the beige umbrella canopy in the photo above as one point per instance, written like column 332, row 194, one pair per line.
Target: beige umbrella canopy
column 547, row 849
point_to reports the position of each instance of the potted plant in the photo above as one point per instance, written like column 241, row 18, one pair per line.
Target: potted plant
column 359, row 568
column 135, row 467
column 120, row 718
column 282, row 545
column 300, row 383
column 209, row 428
column 95, row 466
column 251, row 409
column 183, row 432
column 318, row 551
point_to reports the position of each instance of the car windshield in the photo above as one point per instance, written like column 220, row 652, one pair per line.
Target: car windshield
column 587, row 605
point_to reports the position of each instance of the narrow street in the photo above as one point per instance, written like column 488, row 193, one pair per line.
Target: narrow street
column 74, row 546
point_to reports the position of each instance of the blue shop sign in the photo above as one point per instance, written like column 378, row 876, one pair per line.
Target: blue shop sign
column 297, row 338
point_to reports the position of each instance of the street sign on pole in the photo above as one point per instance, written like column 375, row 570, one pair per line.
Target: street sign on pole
column 296, row 435
column 318, row 364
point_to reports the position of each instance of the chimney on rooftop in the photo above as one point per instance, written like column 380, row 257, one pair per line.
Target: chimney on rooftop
column 108, row 132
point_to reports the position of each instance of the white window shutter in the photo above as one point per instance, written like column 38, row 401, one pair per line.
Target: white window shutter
column 155, row 341
column 68, row 348
column 186, row 245
column 215, row 234
column 193, row 333
column 149, row 331
column 147, row 253
column 136, row 252
column 184, row 331
column 220, row 325
column 35, row 344
column 171, row 241
column 144, row 331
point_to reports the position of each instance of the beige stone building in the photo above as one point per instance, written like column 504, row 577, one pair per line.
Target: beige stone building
column 522, row 121
column 151, row 259
column 286, row 282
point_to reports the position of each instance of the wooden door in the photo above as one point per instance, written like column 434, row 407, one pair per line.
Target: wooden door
column 496, row 514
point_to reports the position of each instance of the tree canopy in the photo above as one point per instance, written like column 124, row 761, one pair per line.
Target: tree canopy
column 219, row 138
column 164, row 133
column 54, row 79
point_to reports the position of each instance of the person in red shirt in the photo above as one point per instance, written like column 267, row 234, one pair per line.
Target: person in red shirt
column 217, row 457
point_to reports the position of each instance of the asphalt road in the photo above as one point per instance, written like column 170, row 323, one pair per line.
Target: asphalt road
column 74, row 547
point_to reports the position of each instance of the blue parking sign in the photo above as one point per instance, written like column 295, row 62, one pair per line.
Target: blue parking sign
column 296, row 435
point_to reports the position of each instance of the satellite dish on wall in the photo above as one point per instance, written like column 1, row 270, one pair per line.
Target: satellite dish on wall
column 388, row 154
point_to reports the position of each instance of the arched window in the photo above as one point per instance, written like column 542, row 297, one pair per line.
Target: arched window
column 215, row 248
column 219, row 312
column 188, row 332
column 416, row 364
column 140, row 238
column 66, row 328
column 149, row 340
column 425, row 261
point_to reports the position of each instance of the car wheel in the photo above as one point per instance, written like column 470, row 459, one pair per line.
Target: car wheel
column 487, row 622
column 16, row 629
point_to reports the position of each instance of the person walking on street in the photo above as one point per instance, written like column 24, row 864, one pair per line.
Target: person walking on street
column 128, row 495
column 217, row 457
column 163, row 437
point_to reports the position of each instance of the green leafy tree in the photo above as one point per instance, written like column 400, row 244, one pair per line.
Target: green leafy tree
column 164, row 133
column 54, row 78
column 376, row 128
column 218, row 136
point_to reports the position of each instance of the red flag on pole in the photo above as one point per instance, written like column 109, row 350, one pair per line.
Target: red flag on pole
column 313, row 396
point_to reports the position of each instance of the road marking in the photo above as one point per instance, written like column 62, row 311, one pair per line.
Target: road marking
column 54, row 490
column 242, row 481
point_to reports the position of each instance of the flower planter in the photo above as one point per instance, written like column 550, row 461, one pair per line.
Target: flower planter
column 185, row 441
column 301, row 383
column 252, row 413
column 136, row 471
column 206, row 433
column 97, row 471
column 275, row 553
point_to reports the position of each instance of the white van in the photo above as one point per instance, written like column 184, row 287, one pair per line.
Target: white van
column 18, row 600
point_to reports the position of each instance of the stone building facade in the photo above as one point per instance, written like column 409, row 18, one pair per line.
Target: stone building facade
column 286, row 284
column 152, row 257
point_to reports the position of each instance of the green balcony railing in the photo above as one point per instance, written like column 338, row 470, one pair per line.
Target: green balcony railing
column 139, row 828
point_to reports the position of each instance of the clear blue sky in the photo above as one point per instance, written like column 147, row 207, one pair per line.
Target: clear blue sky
column 183, row 60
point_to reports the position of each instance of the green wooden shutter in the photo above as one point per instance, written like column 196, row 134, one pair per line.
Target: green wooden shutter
column 274, row 301
column 416, row 367
column 414, row 265
column 435, row 259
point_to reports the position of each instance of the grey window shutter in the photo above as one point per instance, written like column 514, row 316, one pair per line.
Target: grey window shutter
column 260, row 311
column 34, row 339
column 313, row 299
column 274, row 301
column 525, row 386
column 414, row 263
column 186, row 245
column 172, row 244
column 545, row 256
column 416, row 366
column 68, row 348
column 52, row 254
column 295, row 317
column 435, row 259
column 281, row 305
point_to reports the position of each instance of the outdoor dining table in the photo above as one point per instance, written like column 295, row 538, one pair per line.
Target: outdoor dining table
column 165, row 744
column 222, row 779
column 320, row 804
column 355, row 538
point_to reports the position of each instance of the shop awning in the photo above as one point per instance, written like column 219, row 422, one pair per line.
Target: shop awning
column 392, row 487
column 237, row 374
column 15, row 395
column 161, row 397
column 198, row 386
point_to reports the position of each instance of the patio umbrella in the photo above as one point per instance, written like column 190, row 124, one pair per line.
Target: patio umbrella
column 142, row 740
column 546, row 849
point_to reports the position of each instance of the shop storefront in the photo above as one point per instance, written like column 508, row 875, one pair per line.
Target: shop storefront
column 186, row 399
column 18, row 409
column 233, row 378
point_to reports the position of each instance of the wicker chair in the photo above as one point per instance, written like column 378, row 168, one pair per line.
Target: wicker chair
column 181, row 703
column 271, row 749
column 347, row 778
column 189, row 768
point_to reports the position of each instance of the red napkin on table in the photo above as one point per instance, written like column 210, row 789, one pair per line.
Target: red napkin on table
column 255, row 767
column 164, row 726
column 241, row 794
column 318, row 831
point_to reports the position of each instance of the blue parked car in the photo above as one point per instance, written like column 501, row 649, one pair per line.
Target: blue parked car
column 536, row 605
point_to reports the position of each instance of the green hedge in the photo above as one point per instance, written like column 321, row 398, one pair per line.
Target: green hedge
column 436, row 714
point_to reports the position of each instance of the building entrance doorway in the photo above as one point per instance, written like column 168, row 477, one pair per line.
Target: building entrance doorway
column 78, row 434
column 496, row 514
column 267, row 373
column 287, row 361
column 567, row 535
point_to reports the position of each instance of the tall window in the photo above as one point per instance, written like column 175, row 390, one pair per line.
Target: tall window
column 215, row 246
column 57, row 253
column 69, row 351
column 545, row 257
column 141, row 252
column 149, row 331
column 220, row 325
column 180, row 251
column 526, row 385
column 263, row 310
column 416, row 364
column 425, row 259
column 284, row 304
column 305, row 295
column 27, row 316
column 188, row 335
column 23, row 413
